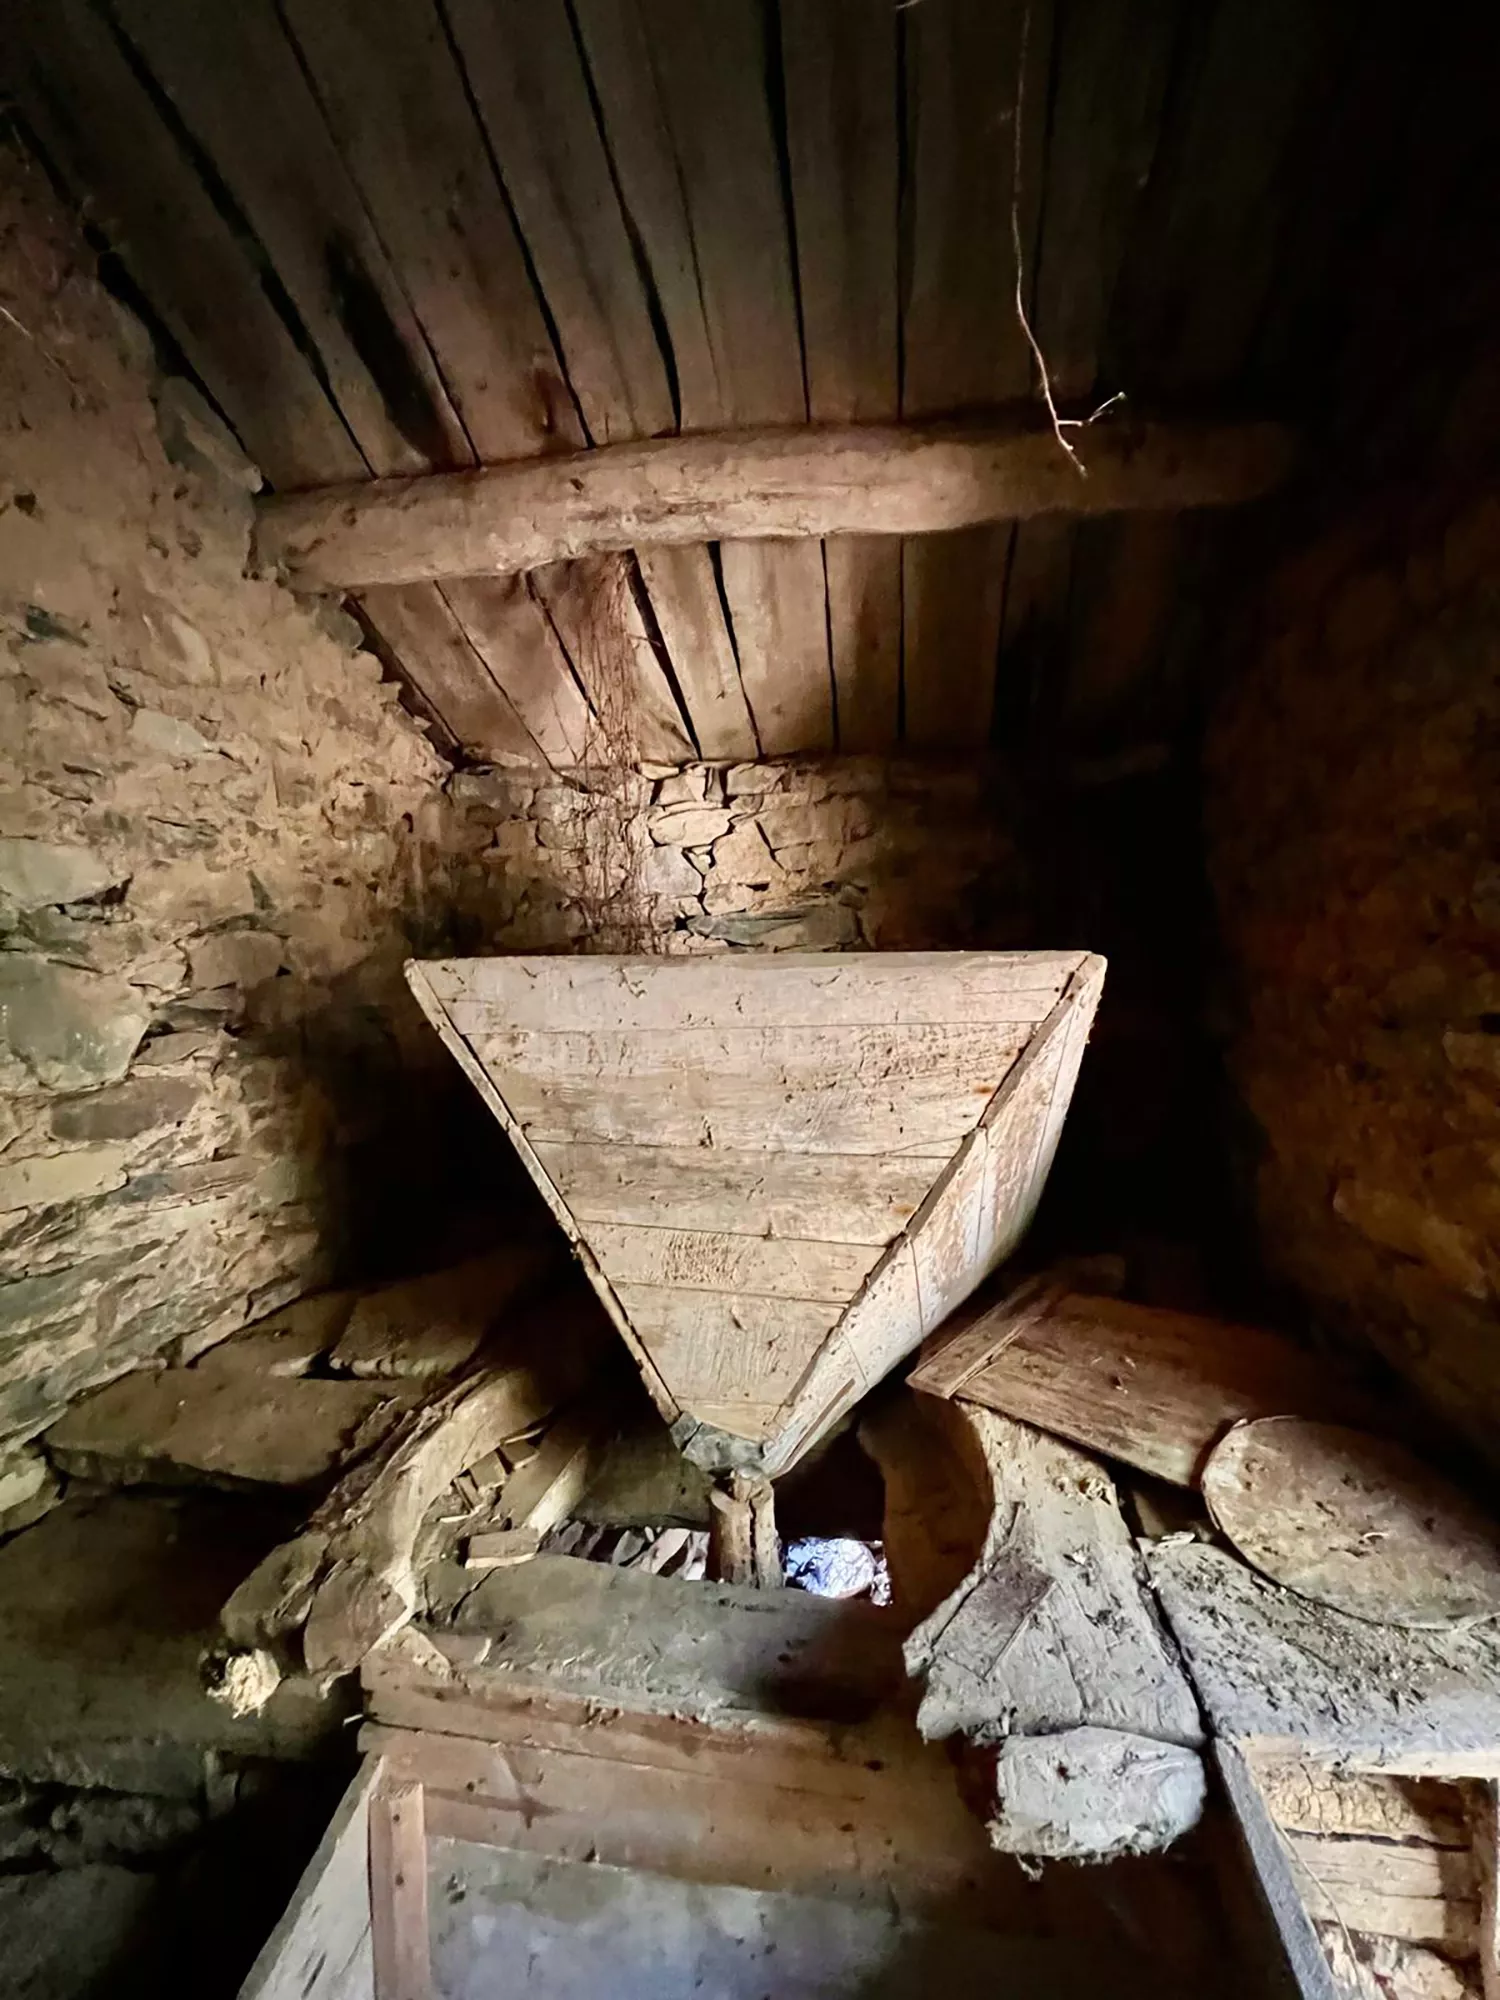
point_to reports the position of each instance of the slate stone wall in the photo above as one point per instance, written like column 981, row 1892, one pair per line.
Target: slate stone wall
column 1353, row 795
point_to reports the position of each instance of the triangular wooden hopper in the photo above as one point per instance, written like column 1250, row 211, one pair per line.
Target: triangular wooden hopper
column 780, row 1171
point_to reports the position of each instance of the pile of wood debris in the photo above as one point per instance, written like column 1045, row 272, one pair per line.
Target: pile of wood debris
column 1325, row 1624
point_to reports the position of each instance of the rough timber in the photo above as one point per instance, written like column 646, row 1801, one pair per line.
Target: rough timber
column 778, row 1171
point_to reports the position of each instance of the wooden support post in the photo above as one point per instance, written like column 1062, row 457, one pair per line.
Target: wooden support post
column 398, row 1892
column 743, row 1544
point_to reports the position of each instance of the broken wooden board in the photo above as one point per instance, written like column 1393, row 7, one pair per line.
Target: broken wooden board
column 349, row 1578
column 752, row 1335
column 1275, row 1669
column 1154, row 1388
column 1355, row 1522
column 430, row 1326
column 185, row 1423
column 1049, row 1653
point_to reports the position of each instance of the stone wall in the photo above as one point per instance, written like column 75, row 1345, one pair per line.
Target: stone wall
column 221, row 835
column 831, row 855
column 1353, row 788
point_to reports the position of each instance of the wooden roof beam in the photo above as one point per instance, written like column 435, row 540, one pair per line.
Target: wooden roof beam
column 756, row 485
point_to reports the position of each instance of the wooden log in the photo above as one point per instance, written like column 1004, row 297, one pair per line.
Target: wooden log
column 753, row 485
column 1154, row 1388
column 731, row 1545
column 1050, row 1641
column 743, row 1546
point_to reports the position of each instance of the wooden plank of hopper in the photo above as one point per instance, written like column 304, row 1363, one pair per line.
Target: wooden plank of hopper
column 794, row 989
column 853, row 1199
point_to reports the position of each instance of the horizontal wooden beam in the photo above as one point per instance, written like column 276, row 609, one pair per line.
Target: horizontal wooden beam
column 764, row 485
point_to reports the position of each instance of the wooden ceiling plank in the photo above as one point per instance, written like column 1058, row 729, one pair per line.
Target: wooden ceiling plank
column 512, row 635
column 964, row 346
column 1198, row 271
column 592, row 608
column 417, row 622
column 236, row 83
column 532, row 94
column 839, row 66
column 395, row 102
column 398, row 106
column 1112, row 65
column 690, row 130
column 684, row 596
column 106, row 137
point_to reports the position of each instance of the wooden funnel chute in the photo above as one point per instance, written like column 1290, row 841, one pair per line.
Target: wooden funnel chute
column 779, row 1171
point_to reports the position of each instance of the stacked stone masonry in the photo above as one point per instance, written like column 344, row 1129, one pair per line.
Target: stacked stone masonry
column 1353, row 792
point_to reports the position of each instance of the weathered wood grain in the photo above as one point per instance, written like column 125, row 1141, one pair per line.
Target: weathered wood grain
column 1272, row 1666
column 532, row 93
column 964, row 1053
column 796, row 989
column 789, row 1111
column 513, row 638
column 315, row 1950
column 235, row 80
column 854, row 1199
column 593, row 1061
column 396, row 104
column 979, row 1208
column 689, row 125
column 711, row 1261
column 684, row 593
column 1308, row 1795
column 963, row 345
column 420, row 625
column 1426, row 1895
column 398, row 1891
column 808, row 480
column 839, row 74
column 739, row 1353
column 101, row 130
column 1053, row 1627
column 592, row 608
column 1155, row 1388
